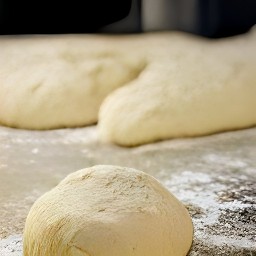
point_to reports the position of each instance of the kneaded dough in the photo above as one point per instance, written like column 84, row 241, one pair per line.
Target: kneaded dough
column 60, row 81
column 108, row 211
column 190, row 91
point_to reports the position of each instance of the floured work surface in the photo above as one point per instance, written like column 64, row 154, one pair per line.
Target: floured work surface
column 214, row 176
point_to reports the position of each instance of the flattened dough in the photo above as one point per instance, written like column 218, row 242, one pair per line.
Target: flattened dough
column 60, row 81
column 190, row 91
column 108, row 211
column 176, row 84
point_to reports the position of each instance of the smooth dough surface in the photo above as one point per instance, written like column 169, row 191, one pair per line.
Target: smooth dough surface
column 108, row 211
column 190, row 91
column 60, row 81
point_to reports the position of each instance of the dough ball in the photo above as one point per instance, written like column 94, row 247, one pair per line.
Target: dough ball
column 199, row 90
column 53, row 82
column 108, row 211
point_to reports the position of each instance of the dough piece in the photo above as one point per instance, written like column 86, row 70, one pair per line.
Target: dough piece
column 191, row 92
column 108, row 211
column 52, row 82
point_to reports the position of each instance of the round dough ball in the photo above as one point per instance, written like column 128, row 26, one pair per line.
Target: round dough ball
column 196, row 91
column 108, row 211
column 54, row 82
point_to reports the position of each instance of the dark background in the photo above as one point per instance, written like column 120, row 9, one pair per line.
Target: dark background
column 55, row 16
column 210, row 18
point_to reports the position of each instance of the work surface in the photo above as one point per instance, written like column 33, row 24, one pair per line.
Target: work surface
column 214, row 176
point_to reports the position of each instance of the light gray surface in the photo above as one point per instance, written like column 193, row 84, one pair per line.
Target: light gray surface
column 214, row 176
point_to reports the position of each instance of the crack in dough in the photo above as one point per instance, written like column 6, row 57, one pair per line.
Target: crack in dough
column 76, row 251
